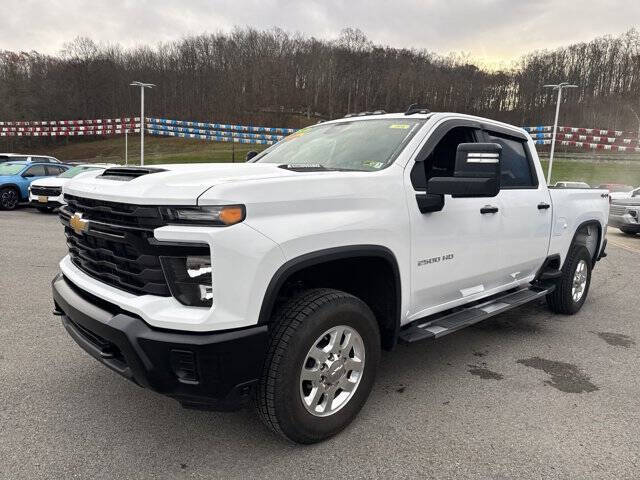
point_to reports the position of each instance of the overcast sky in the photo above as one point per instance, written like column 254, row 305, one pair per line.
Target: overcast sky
column 492, row 31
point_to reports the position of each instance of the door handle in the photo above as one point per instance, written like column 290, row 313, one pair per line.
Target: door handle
column 543, row 206
column 488, row 209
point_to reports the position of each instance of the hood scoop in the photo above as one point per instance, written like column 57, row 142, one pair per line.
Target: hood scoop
column 126, row 174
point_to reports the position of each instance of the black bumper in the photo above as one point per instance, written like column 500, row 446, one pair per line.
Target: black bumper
column 37, row 204
column 215, row 371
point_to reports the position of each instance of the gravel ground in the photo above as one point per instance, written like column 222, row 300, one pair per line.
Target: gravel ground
column 524, row 395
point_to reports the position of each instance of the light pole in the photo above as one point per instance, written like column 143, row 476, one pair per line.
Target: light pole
column 142, row 123
column 558, row 87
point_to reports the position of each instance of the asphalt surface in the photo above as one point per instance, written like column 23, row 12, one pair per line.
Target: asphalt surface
column 524, row 395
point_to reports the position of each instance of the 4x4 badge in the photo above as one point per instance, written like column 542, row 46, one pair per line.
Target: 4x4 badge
column 79, row 224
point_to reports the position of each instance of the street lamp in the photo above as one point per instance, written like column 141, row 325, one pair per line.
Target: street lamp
column 558, row 87
column 142, row 87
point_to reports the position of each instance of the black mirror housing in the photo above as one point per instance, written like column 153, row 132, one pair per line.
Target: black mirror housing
column 476, row 174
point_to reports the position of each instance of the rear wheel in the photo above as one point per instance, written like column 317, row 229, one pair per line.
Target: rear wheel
column 321, row 365
column 9, row 198
column 573, row 286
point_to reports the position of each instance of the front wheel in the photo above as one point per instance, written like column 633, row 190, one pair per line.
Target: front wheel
column 572, row 287
column 9, row 198
column 321, row 365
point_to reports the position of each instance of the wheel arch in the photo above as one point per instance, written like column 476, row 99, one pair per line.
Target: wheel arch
column 582, row 236
column 341, row 258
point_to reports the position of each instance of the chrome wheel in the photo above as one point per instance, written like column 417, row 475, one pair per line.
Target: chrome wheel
column 579, row 281
column 8, row 198
column 332, row 370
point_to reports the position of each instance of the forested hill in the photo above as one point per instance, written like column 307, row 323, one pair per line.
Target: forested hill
column 275, row 78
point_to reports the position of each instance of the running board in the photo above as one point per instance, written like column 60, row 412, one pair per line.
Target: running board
column 444, row 325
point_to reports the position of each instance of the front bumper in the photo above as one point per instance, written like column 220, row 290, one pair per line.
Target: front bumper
column 214, row 371
column 626, row 221
column 44, row 201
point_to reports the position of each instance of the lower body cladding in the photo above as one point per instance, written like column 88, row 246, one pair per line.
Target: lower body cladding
column 213, row 371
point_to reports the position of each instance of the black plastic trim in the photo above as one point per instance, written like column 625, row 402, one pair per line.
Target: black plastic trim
column 322, row 256
column 600, row 229
column 227, row 363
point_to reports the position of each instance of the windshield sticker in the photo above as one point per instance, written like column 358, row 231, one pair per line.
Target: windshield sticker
column 403, row 126
column 375, row 165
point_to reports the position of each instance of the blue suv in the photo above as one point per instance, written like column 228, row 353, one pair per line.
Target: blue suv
column 15, row 178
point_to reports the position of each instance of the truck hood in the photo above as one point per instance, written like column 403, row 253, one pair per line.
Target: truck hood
column 179, row 184
column 634, row 202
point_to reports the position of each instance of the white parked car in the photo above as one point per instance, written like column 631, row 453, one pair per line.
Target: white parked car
column 621, row 195
column 281, row 280
column 46, row 194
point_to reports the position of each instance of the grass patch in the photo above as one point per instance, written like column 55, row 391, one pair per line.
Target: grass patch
column 575, row 166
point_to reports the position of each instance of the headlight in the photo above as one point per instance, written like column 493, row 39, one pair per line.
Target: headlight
column 219, row 216
column 190, row 279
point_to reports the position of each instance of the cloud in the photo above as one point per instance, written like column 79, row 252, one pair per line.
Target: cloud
column 490, row 30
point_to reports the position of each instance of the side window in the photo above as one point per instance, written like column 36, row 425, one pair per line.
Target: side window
column 53, row 170
column 516, row 170
column 41, row 159
column 441, row 161
column 36, row 171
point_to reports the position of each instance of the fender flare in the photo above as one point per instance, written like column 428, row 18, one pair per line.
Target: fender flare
column 599, row 244
column 327, row 255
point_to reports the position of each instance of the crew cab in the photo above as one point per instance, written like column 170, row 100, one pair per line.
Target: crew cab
column 281, row 279
column 46, row 194
column 15, row 178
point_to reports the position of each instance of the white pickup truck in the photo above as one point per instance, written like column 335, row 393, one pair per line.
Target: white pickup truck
column 281, row 279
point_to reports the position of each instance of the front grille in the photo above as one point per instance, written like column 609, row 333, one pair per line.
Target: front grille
column 119, row 248
column 46, row 191
column 617, row 210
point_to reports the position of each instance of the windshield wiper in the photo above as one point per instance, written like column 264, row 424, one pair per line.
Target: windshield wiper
column 314, row 167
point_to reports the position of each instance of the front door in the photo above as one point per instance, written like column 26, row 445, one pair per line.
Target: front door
column 456, row 252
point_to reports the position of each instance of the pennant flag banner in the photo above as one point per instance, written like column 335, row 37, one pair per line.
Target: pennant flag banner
column 222, row 126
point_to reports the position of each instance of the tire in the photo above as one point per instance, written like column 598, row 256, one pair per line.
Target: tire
column 9, row 198
column 298, row 327
column 564, row 299
column 626, row 231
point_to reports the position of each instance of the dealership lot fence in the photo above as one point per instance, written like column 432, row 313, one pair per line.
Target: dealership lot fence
column 572, row 137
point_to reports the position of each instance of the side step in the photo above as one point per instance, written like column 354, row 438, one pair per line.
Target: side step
column 449, row 323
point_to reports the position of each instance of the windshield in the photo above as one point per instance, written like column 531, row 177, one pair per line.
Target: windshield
column 72, row 172
column 362, row 145
column 10, row 168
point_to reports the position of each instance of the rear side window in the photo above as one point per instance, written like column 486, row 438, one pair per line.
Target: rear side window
column 516, row 169
column 51, row 170
column 36, row 171
column 41, row 159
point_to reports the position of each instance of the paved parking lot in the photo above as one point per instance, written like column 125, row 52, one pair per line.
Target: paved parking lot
column 524, row 395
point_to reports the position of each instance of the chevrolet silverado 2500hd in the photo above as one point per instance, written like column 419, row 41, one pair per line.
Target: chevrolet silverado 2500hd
column 281, row 279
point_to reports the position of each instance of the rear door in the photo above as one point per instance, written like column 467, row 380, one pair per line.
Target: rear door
column 526, row 209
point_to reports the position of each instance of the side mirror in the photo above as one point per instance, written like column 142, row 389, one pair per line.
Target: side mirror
column 250, row 155
column 477, row 172
column 27, row 175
